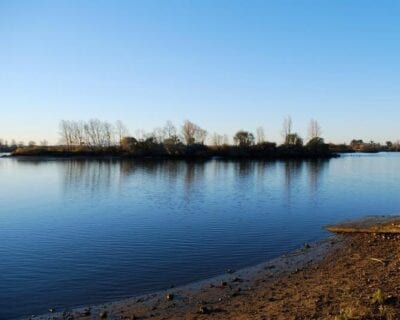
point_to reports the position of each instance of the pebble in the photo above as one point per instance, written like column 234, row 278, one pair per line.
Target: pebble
column 86, row 312
column 204, row 310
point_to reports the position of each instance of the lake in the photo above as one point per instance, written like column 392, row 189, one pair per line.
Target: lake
column 75, row 232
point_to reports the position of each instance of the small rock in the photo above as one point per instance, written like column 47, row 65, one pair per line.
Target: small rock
column 51, row 310
column 307, row 246
column 170, row 297
column 103, row 315
column 86, row 312
column 230, row 271
column 204, row 310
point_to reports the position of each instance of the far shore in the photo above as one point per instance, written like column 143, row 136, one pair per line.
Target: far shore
column 145, row 150
column 351, row 275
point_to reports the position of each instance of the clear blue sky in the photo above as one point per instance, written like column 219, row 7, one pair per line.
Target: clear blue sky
column 226, row 65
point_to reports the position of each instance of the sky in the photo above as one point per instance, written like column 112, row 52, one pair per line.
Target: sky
column 223, row 64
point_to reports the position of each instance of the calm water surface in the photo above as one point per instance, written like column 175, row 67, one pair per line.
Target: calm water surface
column 84, row 232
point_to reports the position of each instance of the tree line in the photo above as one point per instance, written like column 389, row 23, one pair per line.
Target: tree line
column 6, row 146
column 189, row 140
column 358, row 145
column 98, row 133
column 94, row 133
column 95, row 137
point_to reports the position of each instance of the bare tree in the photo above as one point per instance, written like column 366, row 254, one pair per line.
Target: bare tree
column 314, row 129
column 96, row 129
column 189, row 132
column 287, row 127
column 226, row 139
column 87, row 133
column 66, row 132
column 77, row 132
column 169, row 130
column 217, row 140
column 140, row 134
column 200, row 135
column 108, row 134
column 159, row 134
column 91, row 133
column 97, row 132
column 193, row 133
column 121, row 130
column 260, row 135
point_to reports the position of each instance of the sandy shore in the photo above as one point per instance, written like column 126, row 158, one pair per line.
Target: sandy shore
column 343, row 277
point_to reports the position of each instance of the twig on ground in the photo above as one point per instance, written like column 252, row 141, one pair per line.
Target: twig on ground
column 379, row 260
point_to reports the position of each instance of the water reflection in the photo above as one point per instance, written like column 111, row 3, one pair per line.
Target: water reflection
column 292, row 174
column 315, row 170
column 89, row 175
column 243, row 168
column 101, row 174
column 194, row 173
column 96, row 175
